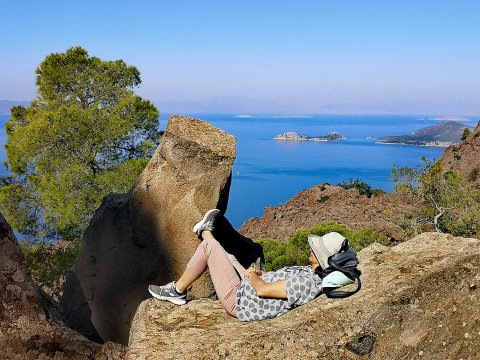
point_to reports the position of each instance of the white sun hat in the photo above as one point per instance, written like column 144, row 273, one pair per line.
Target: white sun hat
column 325, row 246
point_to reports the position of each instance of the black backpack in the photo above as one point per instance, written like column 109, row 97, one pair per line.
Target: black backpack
column 346, row 262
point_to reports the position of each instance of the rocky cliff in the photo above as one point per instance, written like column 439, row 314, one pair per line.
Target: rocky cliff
column 465, row 158
column 31, row 324
column 384, row 213
column 145, row 237
column 419, row 301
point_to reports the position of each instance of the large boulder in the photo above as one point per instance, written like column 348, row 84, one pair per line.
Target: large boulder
column 145, row 236
column 386, row 214
column 30, row 323
column 419, row 301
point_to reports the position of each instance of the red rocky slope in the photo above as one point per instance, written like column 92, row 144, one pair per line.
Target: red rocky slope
column 384, row 213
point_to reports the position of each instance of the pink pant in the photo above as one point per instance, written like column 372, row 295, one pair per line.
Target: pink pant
column 225, row 270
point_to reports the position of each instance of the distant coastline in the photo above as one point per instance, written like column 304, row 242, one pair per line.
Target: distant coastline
column 443, row 134
column 450, row 118
column 443, row 144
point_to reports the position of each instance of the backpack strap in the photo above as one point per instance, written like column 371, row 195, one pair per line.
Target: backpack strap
column 331, row 292
column 346, row 262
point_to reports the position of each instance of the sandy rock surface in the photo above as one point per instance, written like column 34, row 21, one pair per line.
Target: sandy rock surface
column 419, row 300
column 145, row 237
column 384, row 213
column 30, row 323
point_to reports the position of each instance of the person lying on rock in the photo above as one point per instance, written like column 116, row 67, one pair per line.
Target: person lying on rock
column 251, row 294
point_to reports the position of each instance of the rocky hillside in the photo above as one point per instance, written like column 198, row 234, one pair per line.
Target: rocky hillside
column 384, row 213
column 442, row 134
column 31, row 325
column 419, row 301
column 465, row 158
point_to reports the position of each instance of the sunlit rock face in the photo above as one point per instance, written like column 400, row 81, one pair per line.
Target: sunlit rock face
column 145, row 237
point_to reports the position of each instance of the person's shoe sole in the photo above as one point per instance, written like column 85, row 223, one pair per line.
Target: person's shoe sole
column 167, row 298
column 208, row 215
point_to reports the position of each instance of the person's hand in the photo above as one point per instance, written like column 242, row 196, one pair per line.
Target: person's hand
column 254, row 271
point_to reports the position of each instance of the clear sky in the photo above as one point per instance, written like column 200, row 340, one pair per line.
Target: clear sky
column 409, row 56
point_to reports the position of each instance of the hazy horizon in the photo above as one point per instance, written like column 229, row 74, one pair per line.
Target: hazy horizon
column 310, row 57
column 211, row 107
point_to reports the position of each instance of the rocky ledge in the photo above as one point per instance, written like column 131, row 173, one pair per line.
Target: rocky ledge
column 293, row 136
column 419, row 301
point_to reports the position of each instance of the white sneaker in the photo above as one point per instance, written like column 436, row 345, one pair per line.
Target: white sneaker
column 168, row 292
column 206, row 224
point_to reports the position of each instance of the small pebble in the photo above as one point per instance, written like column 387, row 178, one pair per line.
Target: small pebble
column 464, row 324
column 420, row 353
column 467, row 336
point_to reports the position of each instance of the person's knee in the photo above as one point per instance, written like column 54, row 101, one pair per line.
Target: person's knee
column 210, row 242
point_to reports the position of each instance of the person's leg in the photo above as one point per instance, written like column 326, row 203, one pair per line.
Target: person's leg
column 236, row 264
column 243, row 248
column 188, row 277
column 222, row 271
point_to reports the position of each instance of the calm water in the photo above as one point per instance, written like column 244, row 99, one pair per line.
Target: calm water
column 269, row 172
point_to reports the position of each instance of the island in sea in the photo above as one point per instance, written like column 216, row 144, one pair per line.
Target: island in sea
column 293, row 136
column 443, row 134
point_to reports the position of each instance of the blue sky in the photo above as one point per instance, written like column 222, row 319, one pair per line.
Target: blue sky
column 263, row 56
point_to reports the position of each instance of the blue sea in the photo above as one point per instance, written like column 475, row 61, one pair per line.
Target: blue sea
column 270, row 172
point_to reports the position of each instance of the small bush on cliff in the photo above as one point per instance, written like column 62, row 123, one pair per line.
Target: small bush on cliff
column 295, row 251
column 362, row 187
column 85, row 135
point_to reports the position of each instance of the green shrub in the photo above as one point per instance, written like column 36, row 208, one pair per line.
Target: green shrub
column 324, row 198
column 295, row 251
column 377, row 192
column 50, row 264
column 465, row 134
column 362, row 187
column 272, row 250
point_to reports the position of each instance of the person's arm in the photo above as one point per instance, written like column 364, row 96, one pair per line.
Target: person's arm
column 275, row 290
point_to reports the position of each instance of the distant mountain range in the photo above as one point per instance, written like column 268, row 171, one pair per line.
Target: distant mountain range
column 6, row 105
column 442, row 134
